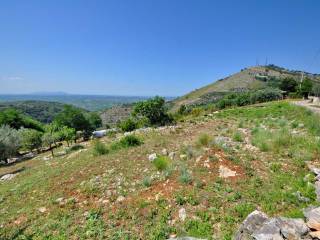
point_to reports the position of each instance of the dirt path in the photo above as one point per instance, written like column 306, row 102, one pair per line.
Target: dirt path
column 307, row 104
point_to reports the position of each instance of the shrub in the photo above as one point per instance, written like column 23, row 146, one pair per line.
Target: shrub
column 127, row 141
column 130, row 141
column 161, row 163
column 147, row 182
column 9, row 142
column 128, row 125
column 238, row 137
column 204, row 140
column 99, row 148
column 75, row 148
column 185, row 177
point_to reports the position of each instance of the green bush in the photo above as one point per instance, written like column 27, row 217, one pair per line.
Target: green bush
column 204, row 140
column 127, row 141
column 75, row 148
column 161, row 163
column 128, row 125
column 99, row 148
column 238, row 137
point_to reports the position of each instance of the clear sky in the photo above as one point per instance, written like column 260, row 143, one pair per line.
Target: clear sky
column 148, row 47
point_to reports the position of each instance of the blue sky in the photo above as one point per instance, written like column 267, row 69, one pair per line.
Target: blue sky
column 149, row 47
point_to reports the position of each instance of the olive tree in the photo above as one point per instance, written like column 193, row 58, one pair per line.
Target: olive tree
column 30, row 139
column 9, row 142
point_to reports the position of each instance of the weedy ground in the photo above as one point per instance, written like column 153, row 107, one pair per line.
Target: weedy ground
column 117, row 193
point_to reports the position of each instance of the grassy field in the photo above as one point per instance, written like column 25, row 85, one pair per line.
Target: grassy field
column 112, row 191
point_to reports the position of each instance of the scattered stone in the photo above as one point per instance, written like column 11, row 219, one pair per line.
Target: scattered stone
column 225, row 172
column 183, row 157
column 42, row 209
column 59, row 200
column 164, row 152
column 300, row 197
column 7, row 177
column 120, row 199
column 46, row 158
column 182, row 214
column 152, row 157
column 172, row 155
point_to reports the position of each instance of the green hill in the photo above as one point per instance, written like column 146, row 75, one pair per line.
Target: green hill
column 251, row 78
column 42, row 111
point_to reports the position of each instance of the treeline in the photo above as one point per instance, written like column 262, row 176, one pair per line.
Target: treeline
column 42, row 111
column 22, row 133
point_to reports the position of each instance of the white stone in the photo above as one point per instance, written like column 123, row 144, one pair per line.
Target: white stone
column 182, row 214
column 152, row 157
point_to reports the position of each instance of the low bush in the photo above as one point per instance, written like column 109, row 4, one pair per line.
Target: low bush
column 238, row 137
column 185, row 177
column 161, row 163
column 127, row 141
column 99, row 148
column 75, row 148
column 204, row 140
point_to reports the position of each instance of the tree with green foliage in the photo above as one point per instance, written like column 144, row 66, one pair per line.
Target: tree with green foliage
column 95, row 119
column 288, row 84
column 67, row 134
column 154, row 110
column 30, row 139
column 51, row 136
column 17, row 120
column 9, row 142
column 306, row 87
column 74, row 118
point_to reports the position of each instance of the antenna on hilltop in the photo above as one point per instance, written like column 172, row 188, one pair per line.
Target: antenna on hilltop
column 266, row 61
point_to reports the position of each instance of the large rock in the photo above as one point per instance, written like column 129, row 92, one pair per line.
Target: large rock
column 312, row 214
column 252, row 223
column 268, row 231
column 257, row 226
column 293, row 229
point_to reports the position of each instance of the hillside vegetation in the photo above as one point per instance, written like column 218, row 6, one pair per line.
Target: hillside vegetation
column 252, row 78
column 199, row 178
column 42, row 111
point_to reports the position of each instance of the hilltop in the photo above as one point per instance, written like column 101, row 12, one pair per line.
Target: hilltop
column 252, row 78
